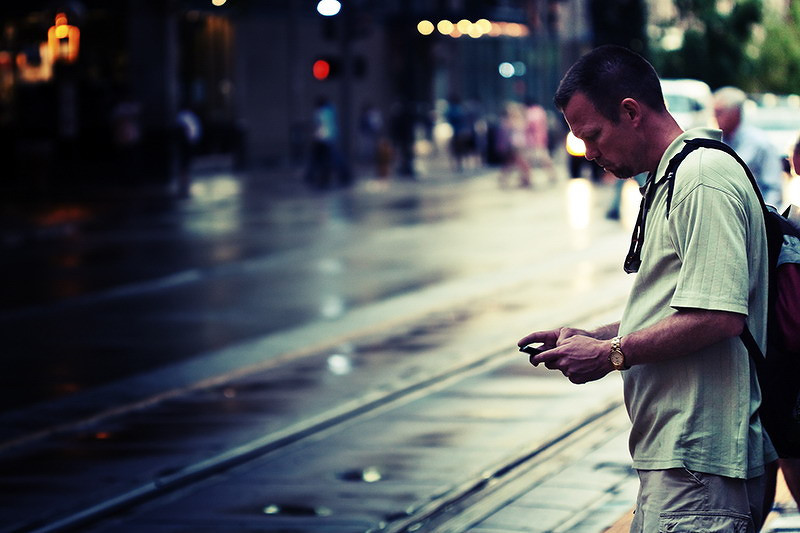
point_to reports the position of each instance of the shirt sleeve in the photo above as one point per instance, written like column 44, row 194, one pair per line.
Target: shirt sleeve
column 707, row 229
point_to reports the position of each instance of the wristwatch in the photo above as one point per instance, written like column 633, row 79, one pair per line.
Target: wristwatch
column 616, row 357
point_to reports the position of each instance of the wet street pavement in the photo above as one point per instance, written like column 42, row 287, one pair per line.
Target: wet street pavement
column 262, row 358
column 118, row 289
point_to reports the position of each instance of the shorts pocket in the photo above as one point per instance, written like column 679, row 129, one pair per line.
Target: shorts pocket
column 704, row 522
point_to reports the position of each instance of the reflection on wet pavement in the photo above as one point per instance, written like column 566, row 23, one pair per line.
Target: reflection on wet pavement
column 178, row 432
column 130, row 290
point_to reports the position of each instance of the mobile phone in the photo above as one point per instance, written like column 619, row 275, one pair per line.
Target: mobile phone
column 532, row 350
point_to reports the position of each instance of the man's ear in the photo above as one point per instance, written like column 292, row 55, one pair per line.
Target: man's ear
column 630, row 110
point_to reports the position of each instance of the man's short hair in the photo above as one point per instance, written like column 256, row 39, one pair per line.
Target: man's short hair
column 609, row 74
column 729, row 98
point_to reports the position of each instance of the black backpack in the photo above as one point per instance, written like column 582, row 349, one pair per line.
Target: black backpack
column 779, row 369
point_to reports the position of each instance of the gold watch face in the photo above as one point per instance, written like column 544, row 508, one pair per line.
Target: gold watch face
column 617, row 360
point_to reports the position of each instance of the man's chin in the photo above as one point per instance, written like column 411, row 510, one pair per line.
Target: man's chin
column 619, row 173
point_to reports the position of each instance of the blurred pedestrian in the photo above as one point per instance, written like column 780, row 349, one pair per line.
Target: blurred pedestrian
column 126, row 127
column 689, row 384
column 326, row 159
column 370, row 129
column 462, row 141
column 536, row 138
column 189, row 132
column 511, row 138
column 790, row 466
column 750, row 143
column 402, row 126
column 385, row 157
column 796, row 158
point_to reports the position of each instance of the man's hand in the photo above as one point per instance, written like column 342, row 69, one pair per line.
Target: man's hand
column 550, row 338
column 580, row 358
column 583, row 356
column 574, row 352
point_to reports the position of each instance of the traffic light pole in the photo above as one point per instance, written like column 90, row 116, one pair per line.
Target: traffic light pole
column 346, row 88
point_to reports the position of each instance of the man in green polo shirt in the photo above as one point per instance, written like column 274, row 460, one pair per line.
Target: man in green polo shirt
column 689, row 385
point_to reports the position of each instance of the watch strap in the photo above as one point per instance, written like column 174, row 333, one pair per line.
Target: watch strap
column 616, row 357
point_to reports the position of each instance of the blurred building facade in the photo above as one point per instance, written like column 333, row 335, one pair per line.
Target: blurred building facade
column 90, row 90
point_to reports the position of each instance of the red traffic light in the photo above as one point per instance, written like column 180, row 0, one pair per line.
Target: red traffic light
column 321, row 69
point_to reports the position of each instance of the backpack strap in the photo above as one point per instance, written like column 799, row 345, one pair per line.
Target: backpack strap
column 752, row 347
column 672, row 168
column 692, row 144
column 719, row 145
column 633, row 260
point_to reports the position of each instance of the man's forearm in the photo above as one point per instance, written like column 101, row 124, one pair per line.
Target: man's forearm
column 583, row 356
column 680, row 334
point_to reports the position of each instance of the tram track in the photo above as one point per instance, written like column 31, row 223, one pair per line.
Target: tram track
column 451, row 512
column 586, row 304
column 456, row 512
column 498, row 480
column 333, row 420
column 208, row 369
column 369, row 405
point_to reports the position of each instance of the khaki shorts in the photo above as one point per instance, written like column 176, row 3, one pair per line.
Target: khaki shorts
column 682, row 501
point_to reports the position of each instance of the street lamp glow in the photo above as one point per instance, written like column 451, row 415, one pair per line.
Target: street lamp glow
column 329, row 8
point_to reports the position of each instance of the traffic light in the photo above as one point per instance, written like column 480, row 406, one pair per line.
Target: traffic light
column 321, row 69
column 325, row 68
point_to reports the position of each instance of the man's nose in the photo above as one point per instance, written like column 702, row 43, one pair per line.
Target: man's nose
column 591, row 152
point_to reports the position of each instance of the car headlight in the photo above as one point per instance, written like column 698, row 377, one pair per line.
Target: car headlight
column 575, row 146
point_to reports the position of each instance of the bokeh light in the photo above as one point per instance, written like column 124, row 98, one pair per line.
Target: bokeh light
column 445, row 27
column 425, row 27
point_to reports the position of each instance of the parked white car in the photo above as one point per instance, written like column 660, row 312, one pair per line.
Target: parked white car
column 690, row 102
column 778, row 116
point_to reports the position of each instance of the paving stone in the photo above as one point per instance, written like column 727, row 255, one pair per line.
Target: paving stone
column 533, row 520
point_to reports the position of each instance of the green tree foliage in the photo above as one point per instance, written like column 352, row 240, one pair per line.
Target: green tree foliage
column 715, row 44
column 778, row 66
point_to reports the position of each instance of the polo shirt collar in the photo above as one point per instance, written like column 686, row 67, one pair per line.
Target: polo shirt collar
column 678, row 144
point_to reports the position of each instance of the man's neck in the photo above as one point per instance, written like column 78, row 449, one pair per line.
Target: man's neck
column 664, row 131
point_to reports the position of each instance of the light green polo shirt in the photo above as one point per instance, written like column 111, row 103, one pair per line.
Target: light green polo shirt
column 697, row 410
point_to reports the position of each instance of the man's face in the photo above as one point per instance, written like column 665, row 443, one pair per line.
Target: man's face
column 611, row 145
